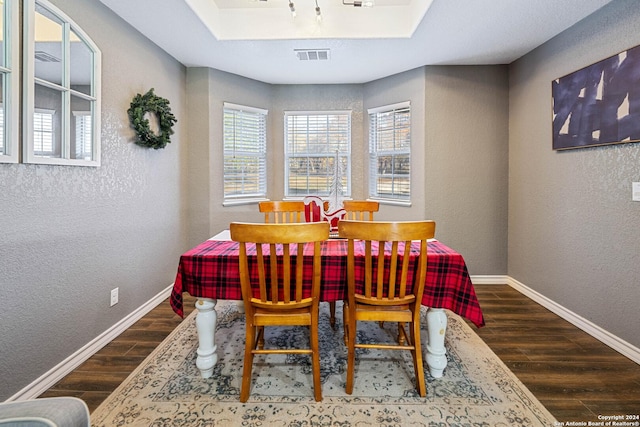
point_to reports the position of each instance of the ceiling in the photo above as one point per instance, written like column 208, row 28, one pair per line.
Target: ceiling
column 259, row 39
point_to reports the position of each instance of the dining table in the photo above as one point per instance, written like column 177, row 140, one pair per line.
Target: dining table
column 210, row 272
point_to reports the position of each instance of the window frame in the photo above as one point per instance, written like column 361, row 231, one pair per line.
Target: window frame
column 10, row 75
column 66, row 91
column 261, row 194
column 375, row 153
column 287, row 155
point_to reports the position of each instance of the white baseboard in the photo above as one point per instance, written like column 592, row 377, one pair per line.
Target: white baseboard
column 490, row 280
column 48, row 379
column 580, row 322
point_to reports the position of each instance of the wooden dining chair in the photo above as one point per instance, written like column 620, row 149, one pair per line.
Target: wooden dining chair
column 359, row 210
column 282, row 211
column 282, row 291
column 388, row 287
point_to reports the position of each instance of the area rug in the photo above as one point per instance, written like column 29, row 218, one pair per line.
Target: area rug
column 477, row 389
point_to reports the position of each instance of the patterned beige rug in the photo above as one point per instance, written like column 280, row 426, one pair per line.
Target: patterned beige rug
column 166, row 389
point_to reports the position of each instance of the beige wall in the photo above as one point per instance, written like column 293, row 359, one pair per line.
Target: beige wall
column 573, row 229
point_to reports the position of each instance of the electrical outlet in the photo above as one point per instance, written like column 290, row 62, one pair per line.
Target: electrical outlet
column 635, row 191
column 114, row 296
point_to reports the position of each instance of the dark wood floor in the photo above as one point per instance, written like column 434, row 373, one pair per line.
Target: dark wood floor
column 575, row 376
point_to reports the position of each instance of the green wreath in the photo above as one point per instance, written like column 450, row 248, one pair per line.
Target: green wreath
column 151, row 103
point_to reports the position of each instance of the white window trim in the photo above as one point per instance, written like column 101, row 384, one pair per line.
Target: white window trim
column 12, row 83
column 28, row 155
column 388, row 200
column 249, row 198
column 349, row 113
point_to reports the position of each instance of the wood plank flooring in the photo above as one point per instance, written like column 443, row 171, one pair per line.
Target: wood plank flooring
column 575, row 376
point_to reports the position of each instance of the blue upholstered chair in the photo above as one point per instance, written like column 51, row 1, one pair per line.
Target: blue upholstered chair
column 47, row 412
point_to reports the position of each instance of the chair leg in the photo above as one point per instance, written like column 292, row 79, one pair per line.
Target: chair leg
column 401, row 333
column 249, row 345
column 315, row 362
column 351, row 354
column 417, row 359
column 345, row 323
column 332, row 315
column 260, row 340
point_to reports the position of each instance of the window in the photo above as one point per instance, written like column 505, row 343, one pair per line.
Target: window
column 390, row 152
column 61, row 75
column 2, row 129
column 9, row 81
column 245, row 153
column 43, row 144
column 82, row 137
column 314, row 141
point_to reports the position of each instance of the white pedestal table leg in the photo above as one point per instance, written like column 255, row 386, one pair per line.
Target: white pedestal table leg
column 436, row 353
column 206, row 327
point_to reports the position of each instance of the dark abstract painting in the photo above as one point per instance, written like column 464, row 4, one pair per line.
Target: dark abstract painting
column 599, row 104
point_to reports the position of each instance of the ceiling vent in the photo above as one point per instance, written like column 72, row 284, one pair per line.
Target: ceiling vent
column 42, row 56
column 312, row 54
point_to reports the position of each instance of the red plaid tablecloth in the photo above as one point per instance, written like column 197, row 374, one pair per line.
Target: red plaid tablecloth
column 210, row 270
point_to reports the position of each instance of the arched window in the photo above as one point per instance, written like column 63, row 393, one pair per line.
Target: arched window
column 61, row 76
column 9, row 81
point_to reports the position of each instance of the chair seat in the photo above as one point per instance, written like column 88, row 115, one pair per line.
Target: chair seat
column 50, row 412
column 370, row 313
column 282, row 318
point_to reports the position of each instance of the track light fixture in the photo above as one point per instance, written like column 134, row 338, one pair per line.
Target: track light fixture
column 359, row 3
column 292, row 8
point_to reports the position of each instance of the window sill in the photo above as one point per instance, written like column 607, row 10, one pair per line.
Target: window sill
column 391, row 202
column 238, row 202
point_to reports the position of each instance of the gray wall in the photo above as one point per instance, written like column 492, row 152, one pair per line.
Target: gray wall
column 207, row 90
column 71, row 234
column 459, row 149
column 407, row 86
column 467, row 162
column 573, row 229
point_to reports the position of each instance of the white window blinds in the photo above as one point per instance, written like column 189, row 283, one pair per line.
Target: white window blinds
column 2, row 150
column 43, row 133
column 390, row 152
column 83, row 135
column 245, row 152
column 313, row 142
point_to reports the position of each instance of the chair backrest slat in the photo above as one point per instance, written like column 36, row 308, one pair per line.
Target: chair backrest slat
column 380, row 277
column 300, row 271
column 273, row 265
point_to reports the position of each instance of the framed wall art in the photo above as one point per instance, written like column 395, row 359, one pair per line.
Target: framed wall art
column 599, row 104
